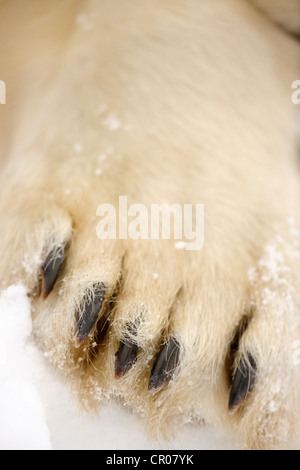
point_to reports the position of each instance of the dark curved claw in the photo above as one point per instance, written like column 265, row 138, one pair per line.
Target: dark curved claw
column 126, row 355
column 165, row 365
column 125, row 358
column 243, row 382
column 90, row 314
column 51, row 268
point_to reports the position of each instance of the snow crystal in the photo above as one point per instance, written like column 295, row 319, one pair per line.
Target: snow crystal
column 77, row 147
column 112, row 123
column 252, row 275
column 30, row 263
column 98, row 172
column 273, row 406
column 102, row 157
column 181, row 245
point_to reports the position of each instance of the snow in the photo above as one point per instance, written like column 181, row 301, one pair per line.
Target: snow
column 112, row 123
column 181, row 245
column 22, row 414
column 37, row 411
column 78, row 148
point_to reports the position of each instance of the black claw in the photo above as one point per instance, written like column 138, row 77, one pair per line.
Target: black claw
column 243, row 382
column 165, row 365
column 51, row 268
column 127, row 353
column 90, row 314
column 125, row 358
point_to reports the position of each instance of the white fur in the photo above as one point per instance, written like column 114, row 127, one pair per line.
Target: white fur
column 186, row 102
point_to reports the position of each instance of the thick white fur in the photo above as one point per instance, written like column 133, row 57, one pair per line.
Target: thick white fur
column 189, row 102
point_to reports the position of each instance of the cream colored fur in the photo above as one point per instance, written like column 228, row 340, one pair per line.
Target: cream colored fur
column 283, row 12
column 162, row 101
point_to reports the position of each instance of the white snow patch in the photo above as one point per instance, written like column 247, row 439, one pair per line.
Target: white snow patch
column 22, row 416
